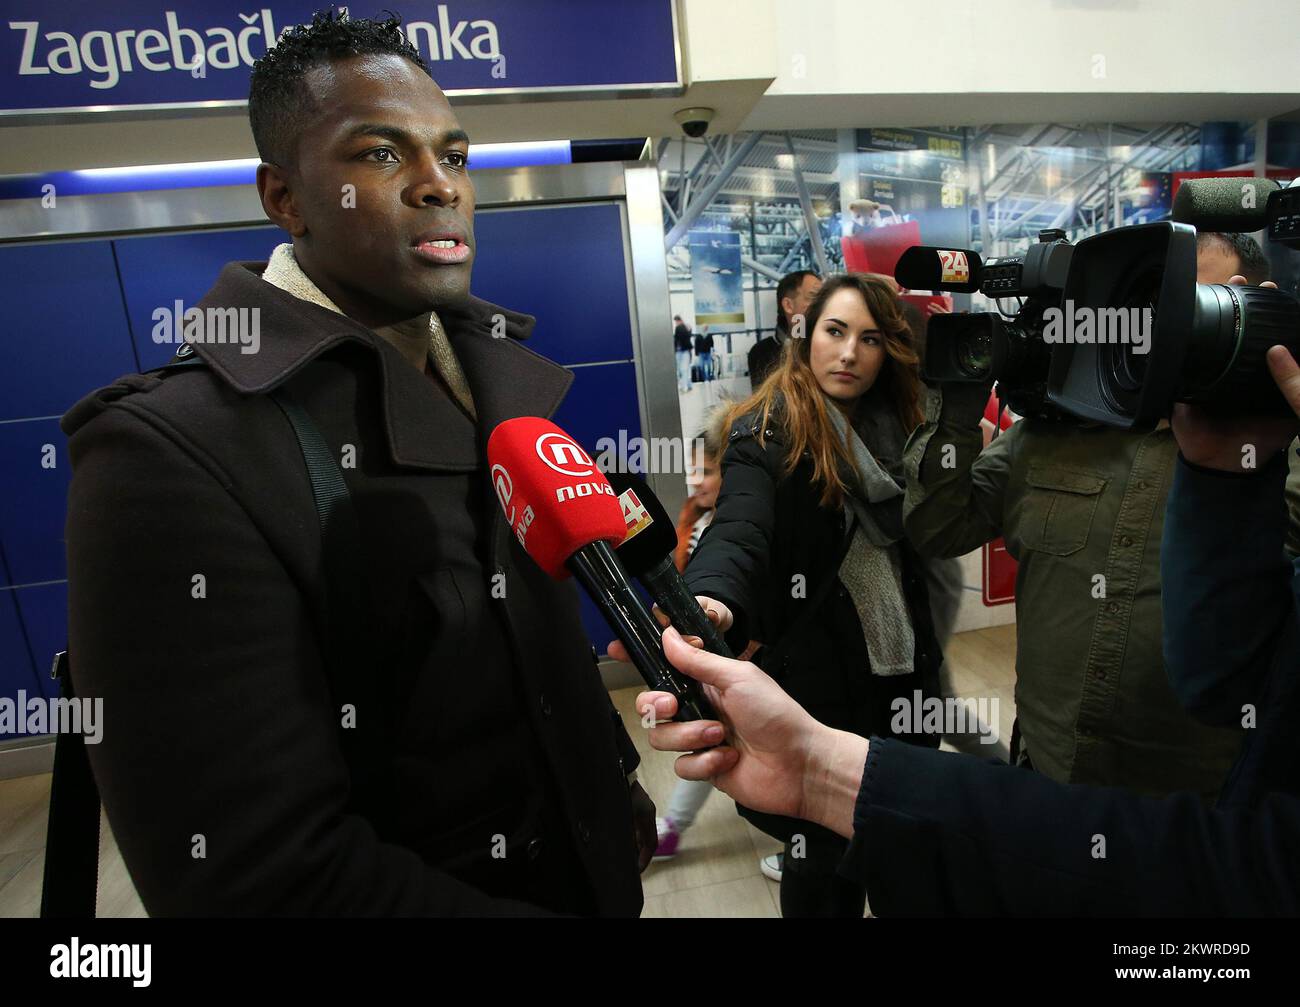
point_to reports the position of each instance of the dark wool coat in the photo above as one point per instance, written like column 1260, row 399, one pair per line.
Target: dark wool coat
column 506, row 762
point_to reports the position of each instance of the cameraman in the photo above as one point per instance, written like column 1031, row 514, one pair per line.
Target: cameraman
column 1081, row 507
column 940, row 833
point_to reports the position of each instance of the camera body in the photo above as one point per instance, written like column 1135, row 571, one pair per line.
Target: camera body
column 1206, row 342
column 1116, row 329
column 986, row 345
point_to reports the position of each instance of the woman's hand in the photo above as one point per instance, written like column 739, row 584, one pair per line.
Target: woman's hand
column 718, row 613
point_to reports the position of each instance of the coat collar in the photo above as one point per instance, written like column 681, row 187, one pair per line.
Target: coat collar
column 506, row 379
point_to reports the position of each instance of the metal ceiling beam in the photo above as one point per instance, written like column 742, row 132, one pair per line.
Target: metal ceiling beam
column 811, row 224
column 1150, row 153
column 760, row 268
column 1056, row 196
column 691, row 213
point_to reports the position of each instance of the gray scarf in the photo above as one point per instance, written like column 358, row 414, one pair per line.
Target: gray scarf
column 872, row 568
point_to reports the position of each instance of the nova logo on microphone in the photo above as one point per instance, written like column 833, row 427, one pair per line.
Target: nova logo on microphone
column 562, row 454
column 505, row 487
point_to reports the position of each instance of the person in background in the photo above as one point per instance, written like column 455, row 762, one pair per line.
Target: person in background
column 1220, row 255
column 682, row 349
column 1228, row 254
column 704, row 353
column 807, row 544
column 689, row 795
column 794, row 293
column 1081, row 506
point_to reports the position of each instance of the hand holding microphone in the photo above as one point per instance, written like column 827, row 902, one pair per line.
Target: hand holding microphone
column 647, row 553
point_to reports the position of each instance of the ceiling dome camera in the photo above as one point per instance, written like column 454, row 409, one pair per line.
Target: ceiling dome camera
column 694, row 121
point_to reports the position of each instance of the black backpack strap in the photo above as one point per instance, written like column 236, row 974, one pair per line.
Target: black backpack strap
column 347, row 613
column 71, row 879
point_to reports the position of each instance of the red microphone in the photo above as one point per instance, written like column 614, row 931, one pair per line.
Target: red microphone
column 567, row 517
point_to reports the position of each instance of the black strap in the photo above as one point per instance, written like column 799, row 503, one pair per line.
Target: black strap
column 71, row 881
column 347, row 612
column 71, row 876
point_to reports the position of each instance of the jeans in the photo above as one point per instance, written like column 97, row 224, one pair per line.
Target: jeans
column 706, row 365
column 684, row 370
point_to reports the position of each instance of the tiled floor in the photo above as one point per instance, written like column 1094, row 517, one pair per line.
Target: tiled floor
column 715, row 874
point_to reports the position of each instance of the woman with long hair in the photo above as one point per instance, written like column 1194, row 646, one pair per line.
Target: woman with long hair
column 806, row 550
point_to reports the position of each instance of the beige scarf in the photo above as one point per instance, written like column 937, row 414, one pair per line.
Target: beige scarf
column 283, row 271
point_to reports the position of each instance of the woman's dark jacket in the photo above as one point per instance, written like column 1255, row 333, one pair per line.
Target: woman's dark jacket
column 772, row 554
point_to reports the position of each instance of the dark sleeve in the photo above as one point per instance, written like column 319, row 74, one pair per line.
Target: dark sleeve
column 1225, row 585
column 731, row 561
column 938, row 833
column 219, row 765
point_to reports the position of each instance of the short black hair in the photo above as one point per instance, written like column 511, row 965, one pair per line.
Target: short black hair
column 1254, row 265
column 790, row 282
column 278, row 102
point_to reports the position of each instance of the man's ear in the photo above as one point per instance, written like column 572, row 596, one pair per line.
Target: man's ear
column 278, row 200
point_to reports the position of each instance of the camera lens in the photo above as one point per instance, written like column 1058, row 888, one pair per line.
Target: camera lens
column 975, row 353
column 1233, row 327
column 1123, row 370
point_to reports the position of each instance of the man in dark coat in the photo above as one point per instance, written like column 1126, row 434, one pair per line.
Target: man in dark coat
column 793, row 295
column 195, row 556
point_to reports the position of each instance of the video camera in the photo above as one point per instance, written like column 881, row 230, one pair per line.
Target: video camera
column 982, row 345
column 1116, row 329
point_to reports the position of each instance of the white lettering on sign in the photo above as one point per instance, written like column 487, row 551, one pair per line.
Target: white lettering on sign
column 103, row 56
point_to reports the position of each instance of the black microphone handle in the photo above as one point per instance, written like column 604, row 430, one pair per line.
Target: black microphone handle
column 602, row 576
column 674, row 598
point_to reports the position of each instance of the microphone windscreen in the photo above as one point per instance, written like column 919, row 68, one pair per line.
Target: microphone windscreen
column 651, row 534
column 555, row 498
column 923, row 267
column 1223, row 204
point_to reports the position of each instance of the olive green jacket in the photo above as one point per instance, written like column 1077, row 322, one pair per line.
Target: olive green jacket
column 1082, row 510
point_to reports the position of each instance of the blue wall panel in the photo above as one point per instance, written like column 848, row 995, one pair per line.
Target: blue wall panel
column 565, row 265
column 15, row 661
column 35, row 498
column 64, row 330
column 44, row 612
column 159, row 270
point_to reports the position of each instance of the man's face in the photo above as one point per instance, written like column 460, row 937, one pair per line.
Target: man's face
column 797, row 303
column 1216, row 263
column 380, row 173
